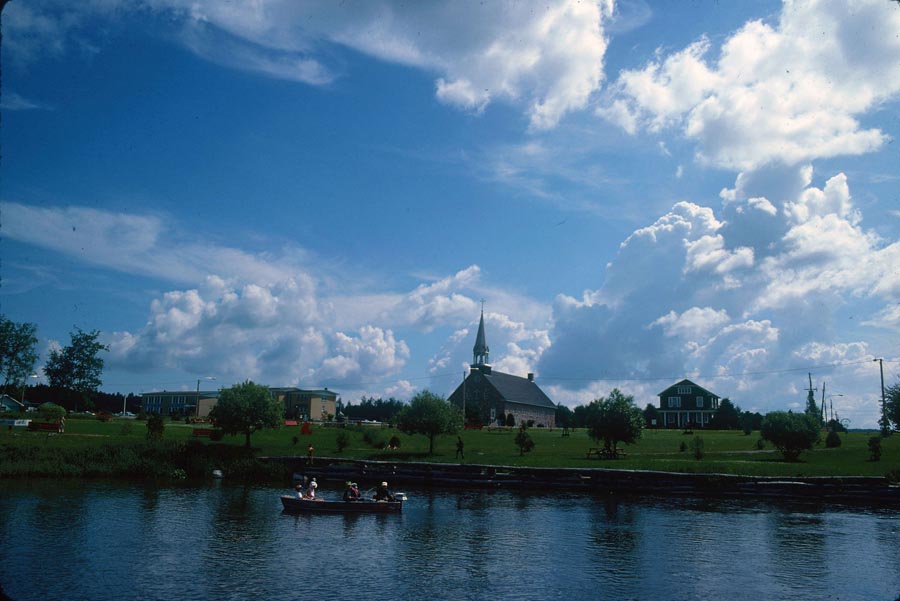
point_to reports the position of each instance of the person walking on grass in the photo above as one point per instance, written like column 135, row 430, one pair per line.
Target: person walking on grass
column 460, row 454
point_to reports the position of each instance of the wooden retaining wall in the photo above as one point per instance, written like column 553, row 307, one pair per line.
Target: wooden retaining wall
column 597, row 480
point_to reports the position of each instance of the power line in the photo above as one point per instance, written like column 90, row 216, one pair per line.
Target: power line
column 713, row 376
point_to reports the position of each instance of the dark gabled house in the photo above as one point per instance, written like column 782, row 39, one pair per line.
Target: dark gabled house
column 488, row 396
column 686, row 404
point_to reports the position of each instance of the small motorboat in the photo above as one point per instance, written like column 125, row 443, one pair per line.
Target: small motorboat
column 295, row 505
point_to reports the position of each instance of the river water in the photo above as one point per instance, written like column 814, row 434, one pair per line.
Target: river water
column 96, row 540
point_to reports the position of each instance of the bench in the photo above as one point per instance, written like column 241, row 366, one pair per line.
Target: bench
column 291, row 422
column 45, row 426
column 603, row 453
column 202, row 432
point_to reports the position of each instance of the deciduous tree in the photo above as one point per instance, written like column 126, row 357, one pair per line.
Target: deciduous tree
column 78, row 366
column 892, row 404
column 431, row 415
column 791, row 433
column 17, row 354
column 614, row 419
column 245, row 408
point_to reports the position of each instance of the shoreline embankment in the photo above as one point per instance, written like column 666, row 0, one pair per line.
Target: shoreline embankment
column 842, row 489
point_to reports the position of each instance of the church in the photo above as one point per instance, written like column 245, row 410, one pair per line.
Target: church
column 488, row 397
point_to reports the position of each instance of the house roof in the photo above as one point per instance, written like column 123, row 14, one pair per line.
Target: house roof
column 687, row 383
column 519, row 390
column 205, row 394
column 8, row 401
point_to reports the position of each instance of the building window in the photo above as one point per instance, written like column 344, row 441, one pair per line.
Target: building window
column 684, row 390
column 674, row 402
column 493, row 414
column 699, row 402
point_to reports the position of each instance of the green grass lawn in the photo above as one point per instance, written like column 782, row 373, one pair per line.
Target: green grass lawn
column 725, row 451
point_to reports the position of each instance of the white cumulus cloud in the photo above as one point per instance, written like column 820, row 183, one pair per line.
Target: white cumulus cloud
column 789, row 92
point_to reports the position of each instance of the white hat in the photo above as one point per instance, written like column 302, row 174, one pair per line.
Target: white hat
column 384, row 484
column 313, row 484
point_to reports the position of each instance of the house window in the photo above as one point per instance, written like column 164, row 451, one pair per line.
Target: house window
column 684, row 390
column 674, row 402
column 493, row 414
column 699, row 402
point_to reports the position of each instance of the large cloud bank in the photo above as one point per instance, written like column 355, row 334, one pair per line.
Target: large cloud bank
column 788, row 92
column 548, row 58
column 760, row 293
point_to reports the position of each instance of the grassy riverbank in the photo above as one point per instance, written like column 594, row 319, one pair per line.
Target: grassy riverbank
column 119, row 449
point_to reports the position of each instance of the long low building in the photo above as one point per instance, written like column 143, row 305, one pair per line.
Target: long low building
column 298, row 403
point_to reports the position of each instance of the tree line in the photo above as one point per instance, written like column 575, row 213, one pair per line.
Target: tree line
column 73, row 371
column 74, row 377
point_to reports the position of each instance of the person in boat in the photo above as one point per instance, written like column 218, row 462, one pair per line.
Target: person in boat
column 311, row 491
column 382, row 493
column 300, row 491
column 351, row 493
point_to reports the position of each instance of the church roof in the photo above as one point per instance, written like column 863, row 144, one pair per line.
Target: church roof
column 481, row 347
column 519, row 390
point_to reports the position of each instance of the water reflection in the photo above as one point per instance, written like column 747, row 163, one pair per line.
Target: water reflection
column 222, row 542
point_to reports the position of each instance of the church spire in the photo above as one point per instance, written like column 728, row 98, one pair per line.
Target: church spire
column 481, row 350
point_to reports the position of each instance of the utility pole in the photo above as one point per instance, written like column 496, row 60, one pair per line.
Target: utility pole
column 824, row 414
column 883, row 422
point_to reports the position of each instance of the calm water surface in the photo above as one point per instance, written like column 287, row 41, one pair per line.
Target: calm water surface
column 89, row 540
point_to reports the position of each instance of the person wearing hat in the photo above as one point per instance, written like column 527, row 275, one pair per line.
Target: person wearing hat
column 382, row 493
column 351, row 493
column 311, row 491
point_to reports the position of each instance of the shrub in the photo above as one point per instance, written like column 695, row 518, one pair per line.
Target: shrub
column 104, row 416
column 342, row 440
column 760, row 443
column 51, row 412
column 510, row 420
column 156, row 425
column 373, row 438
column 524, row 442
column 394, row 442
column 833, row 440
column 875, row 448
column 791, row 433
column 697, row 446
column 217, row 435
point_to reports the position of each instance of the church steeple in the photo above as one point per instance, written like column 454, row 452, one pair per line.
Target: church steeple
column 480, row 351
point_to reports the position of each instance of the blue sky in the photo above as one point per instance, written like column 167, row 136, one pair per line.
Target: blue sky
column 321, row 194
